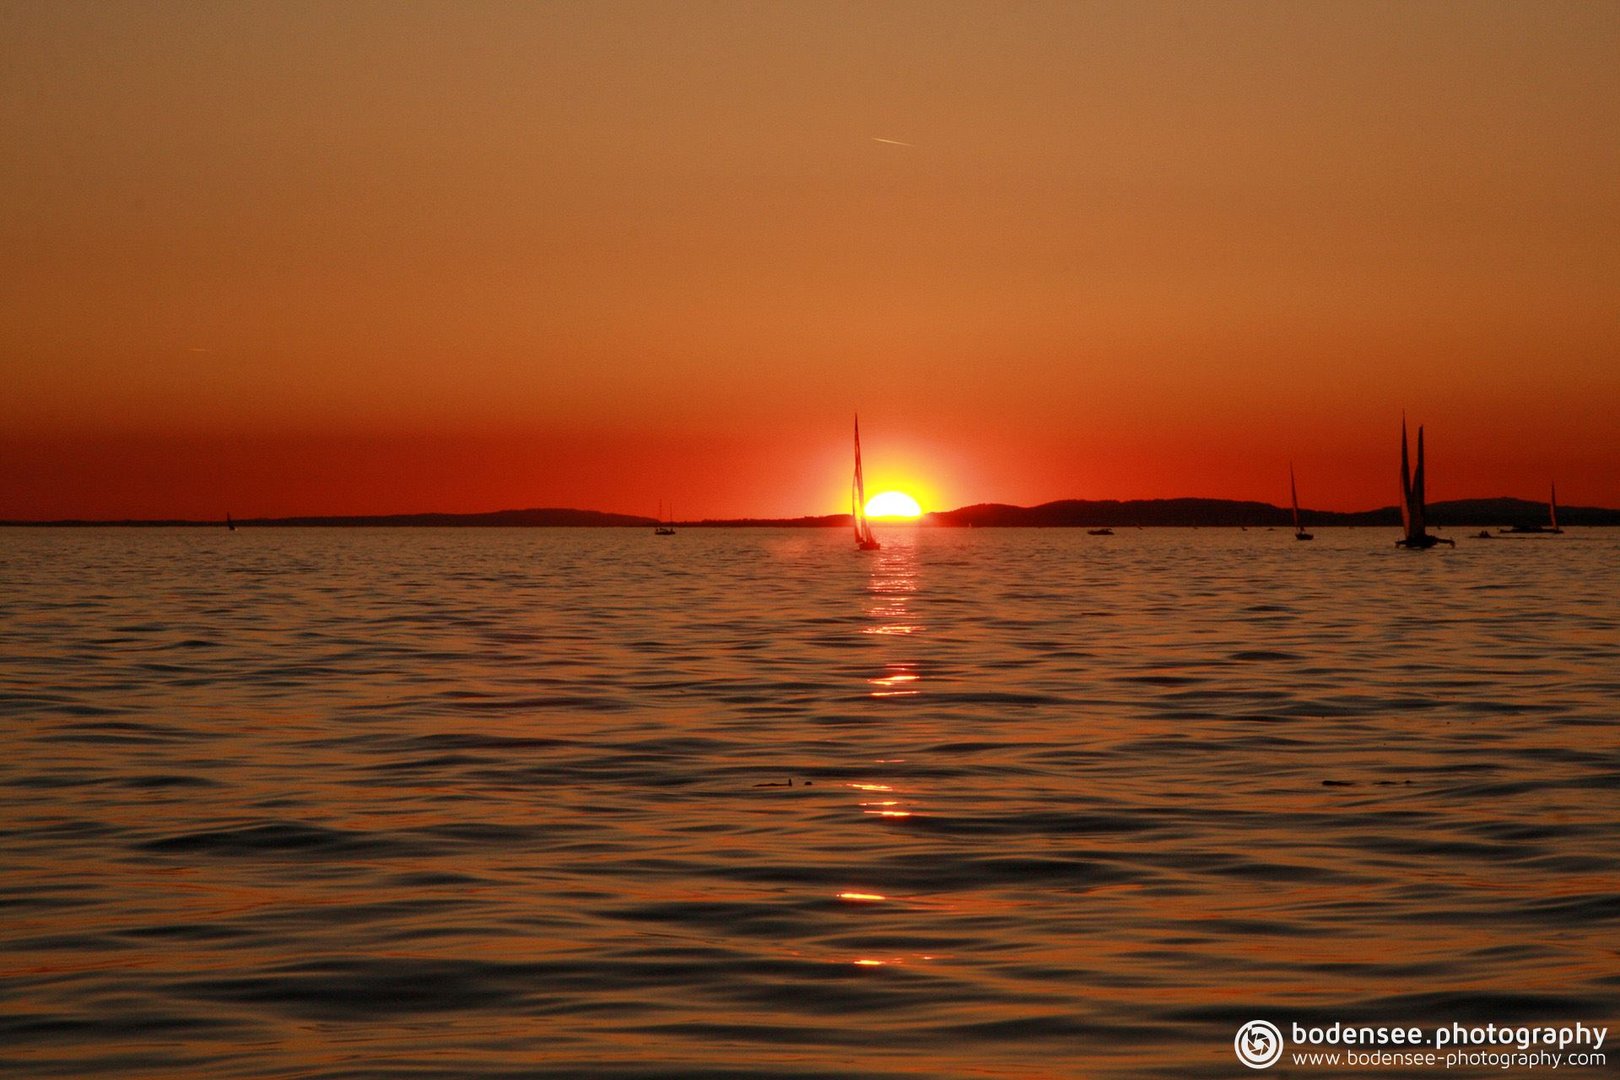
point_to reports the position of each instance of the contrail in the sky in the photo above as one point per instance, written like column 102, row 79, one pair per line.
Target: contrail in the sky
column 892, row 142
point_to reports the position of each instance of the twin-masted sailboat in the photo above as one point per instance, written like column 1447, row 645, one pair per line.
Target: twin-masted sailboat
column 864, row 540
column 1413, row 520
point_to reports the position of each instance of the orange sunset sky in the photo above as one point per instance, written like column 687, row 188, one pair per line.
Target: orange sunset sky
column 284, row 258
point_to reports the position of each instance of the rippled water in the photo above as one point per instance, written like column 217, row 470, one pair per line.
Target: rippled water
column 498, row 803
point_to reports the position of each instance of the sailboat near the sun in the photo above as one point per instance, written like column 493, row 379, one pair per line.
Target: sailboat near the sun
column 665, row 526
column 1413, row 520
column 864, row 540
column 1293, row 492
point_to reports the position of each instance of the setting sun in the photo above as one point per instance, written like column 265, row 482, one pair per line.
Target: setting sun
column 892, row 504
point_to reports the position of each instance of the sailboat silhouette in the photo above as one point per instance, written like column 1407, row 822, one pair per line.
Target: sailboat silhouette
column 1552, row 516
column 1413, row 520
column 864, row 540
column 1293, row 492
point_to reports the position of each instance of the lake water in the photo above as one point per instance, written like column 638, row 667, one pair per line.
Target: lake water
column 488, row 803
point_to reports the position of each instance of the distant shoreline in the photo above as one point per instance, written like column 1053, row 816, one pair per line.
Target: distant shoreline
column 1067, row 513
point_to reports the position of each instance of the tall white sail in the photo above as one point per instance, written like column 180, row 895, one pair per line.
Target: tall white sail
column 857, row 497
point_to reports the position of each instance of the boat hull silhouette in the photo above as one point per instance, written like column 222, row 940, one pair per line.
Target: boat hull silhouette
column 1424, row 542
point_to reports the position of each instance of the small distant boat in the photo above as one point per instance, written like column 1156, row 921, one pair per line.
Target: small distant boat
column 864, row 540
column 1100, row 532
column 1552, row 517
column 1484, row 534
column 230, row 526
column 666, row 526
column 1293, row 492
column 1413, row 519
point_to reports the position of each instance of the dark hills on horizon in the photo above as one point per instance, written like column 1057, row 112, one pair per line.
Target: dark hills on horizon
column 1064, row 513
column 1110, row 513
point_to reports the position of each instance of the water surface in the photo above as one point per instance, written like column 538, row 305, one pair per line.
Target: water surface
column 495, row 803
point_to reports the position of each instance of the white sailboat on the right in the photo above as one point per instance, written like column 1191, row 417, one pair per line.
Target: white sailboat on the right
column 1413, row 519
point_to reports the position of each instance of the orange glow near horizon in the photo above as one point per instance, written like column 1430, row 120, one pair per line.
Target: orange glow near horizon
column 1345, row 466
column 347, row 260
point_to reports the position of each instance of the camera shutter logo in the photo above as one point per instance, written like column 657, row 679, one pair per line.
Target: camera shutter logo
column 1258, row 1044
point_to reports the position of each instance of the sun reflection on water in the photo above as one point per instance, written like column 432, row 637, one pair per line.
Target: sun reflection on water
column 891, row 629
column 893, row 581
column 897, row 682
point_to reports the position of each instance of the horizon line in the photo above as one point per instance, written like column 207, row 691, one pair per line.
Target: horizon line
column 636, row 519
